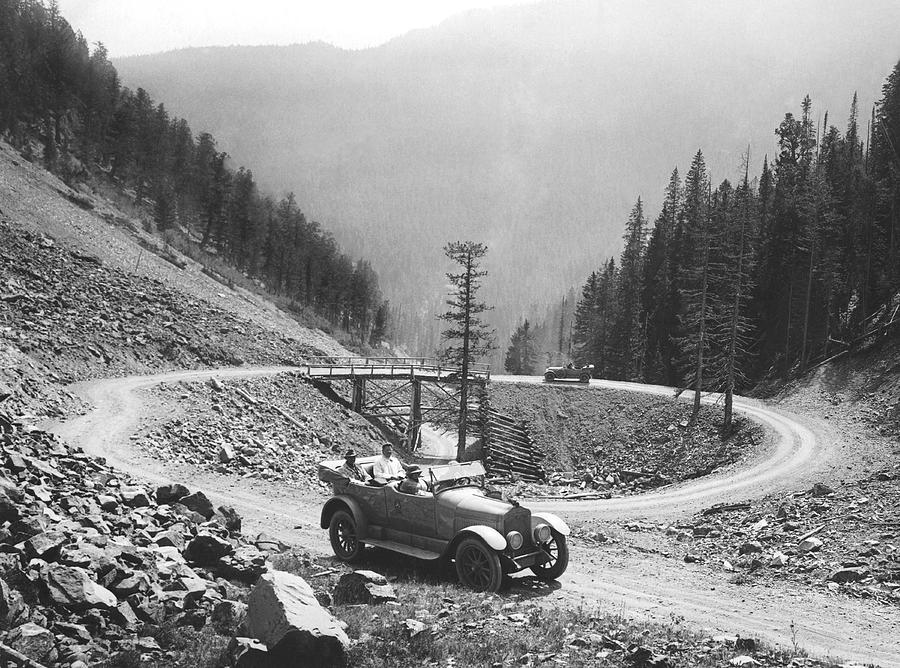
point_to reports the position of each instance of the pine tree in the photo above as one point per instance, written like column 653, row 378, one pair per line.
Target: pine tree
column 628, row 335
column 380, row 324
column 469, row 337
column 693, row 279
column 521, row 353
column 657, row 299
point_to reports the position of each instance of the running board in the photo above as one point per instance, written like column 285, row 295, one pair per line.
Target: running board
column 408, row 550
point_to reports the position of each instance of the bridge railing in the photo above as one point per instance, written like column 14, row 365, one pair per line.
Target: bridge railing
column 368, row 366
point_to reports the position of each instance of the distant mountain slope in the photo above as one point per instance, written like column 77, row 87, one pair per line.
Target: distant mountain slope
column 531, row 128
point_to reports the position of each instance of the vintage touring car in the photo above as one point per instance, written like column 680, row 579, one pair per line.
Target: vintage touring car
column 569, row 372
column 486, row 536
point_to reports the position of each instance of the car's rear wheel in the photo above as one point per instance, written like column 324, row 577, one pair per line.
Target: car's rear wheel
column 344, row 538
column 585, row 378
column 478, row 566
column 549, row 377
column 559, row 558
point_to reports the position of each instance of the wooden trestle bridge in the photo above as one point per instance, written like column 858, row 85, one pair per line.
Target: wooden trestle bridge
column 407, row 392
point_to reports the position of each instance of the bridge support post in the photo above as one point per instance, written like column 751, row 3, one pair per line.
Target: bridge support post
column 415, row 415
column 358, row 402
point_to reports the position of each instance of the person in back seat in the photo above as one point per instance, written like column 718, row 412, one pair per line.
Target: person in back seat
column 388, row 467
column 351, row 469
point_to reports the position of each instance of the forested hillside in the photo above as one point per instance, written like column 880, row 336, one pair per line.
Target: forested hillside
column 62, row 104
column 738, row 282
column 531, row 128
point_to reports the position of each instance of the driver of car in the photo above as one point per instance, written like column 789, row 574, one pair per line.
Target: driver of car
column 413, row 483
column 387, row 466
column 351, row 469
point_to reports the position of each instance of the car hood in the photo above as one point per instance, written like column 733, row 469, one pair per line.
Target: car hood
column 472, row 499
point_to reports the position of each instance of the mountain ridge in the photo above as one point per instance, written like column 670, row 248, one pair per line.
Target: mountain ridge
column 531, row 128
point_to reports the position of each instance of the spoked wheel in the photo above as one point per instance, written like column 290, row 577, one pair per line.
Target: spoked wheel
column 585, row 379
column 559, row 558
column 477, row 566
column 549, row 377
column 344, row 540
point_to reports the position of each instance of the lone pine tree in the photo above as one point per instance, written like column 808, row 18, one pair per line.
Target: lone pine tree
column 469, row 337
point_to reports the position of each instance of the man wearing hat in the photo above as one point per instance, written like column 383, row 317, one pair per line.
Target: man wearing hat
column 351, row 469
column 413, row 483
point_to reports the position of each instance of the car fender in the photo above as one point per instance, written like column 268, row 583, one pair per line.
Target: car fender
column 340, row 502
column 548, row 518
column 492, row 537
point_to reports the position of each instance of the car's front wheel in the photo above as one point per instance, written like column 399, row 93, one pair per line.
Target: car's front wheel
column 559, row 558
column 585, row 378
column 344, row 538
column 478, row 566
column 549, row 377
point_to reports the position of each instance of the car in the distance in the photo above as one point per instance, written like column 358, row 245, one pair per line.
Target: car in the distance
column 569, row 372
column 459, row 519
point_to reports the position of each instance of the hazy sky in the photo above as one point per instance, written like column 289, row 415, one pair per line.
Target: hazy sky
column 130, row 27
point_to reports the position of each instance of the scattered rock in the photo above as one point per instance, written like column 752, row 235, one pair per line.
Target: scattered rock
column 363, row 587
column 821, row 489
column 810, row 544
column 207, row 549
column 73, row 588
column 751, row 547
column 34, row 641
column 198, row 503
column 413, row 627
column 136, row 497
column 226, row 453
column 843, row 575
column 171, row 493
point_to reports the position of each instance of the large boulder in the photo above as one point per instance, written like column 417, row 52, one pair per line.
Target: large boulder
column 284, row 614
column 73, row 588
column 363, row 587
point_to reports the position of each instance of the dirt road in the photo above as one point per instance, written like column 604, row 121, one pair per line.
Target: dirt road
column 622, row 579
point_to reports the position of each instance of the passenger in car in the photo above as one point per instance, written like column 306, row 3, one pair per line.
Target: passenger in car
column 413, row 483
column 387, row 466
column 351, row 469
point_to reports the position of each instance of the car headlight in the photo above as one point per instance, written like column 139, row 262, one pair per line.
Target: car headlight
column 514, row 540
column 542, row 534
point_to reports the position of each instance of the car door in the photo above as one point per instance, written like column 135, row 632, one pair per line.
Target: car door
column 410, row 513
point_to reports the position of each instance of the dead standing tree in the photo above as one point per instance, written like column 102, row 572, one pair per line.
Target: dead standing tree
column 469, row 336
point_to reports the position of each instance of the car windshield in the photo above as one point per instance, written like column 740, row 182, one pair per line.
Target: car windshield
column 450, row 472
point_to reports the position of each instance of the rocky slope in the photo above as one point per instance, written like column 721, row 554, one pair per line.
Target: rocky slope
column 95, row 222
column 96, row 567
column 609, row 441
column 275, row 428
column 82, row 319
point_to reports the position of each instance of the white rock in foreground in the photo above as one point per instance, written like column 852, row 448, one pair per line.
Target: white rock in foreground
column 285, row 615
